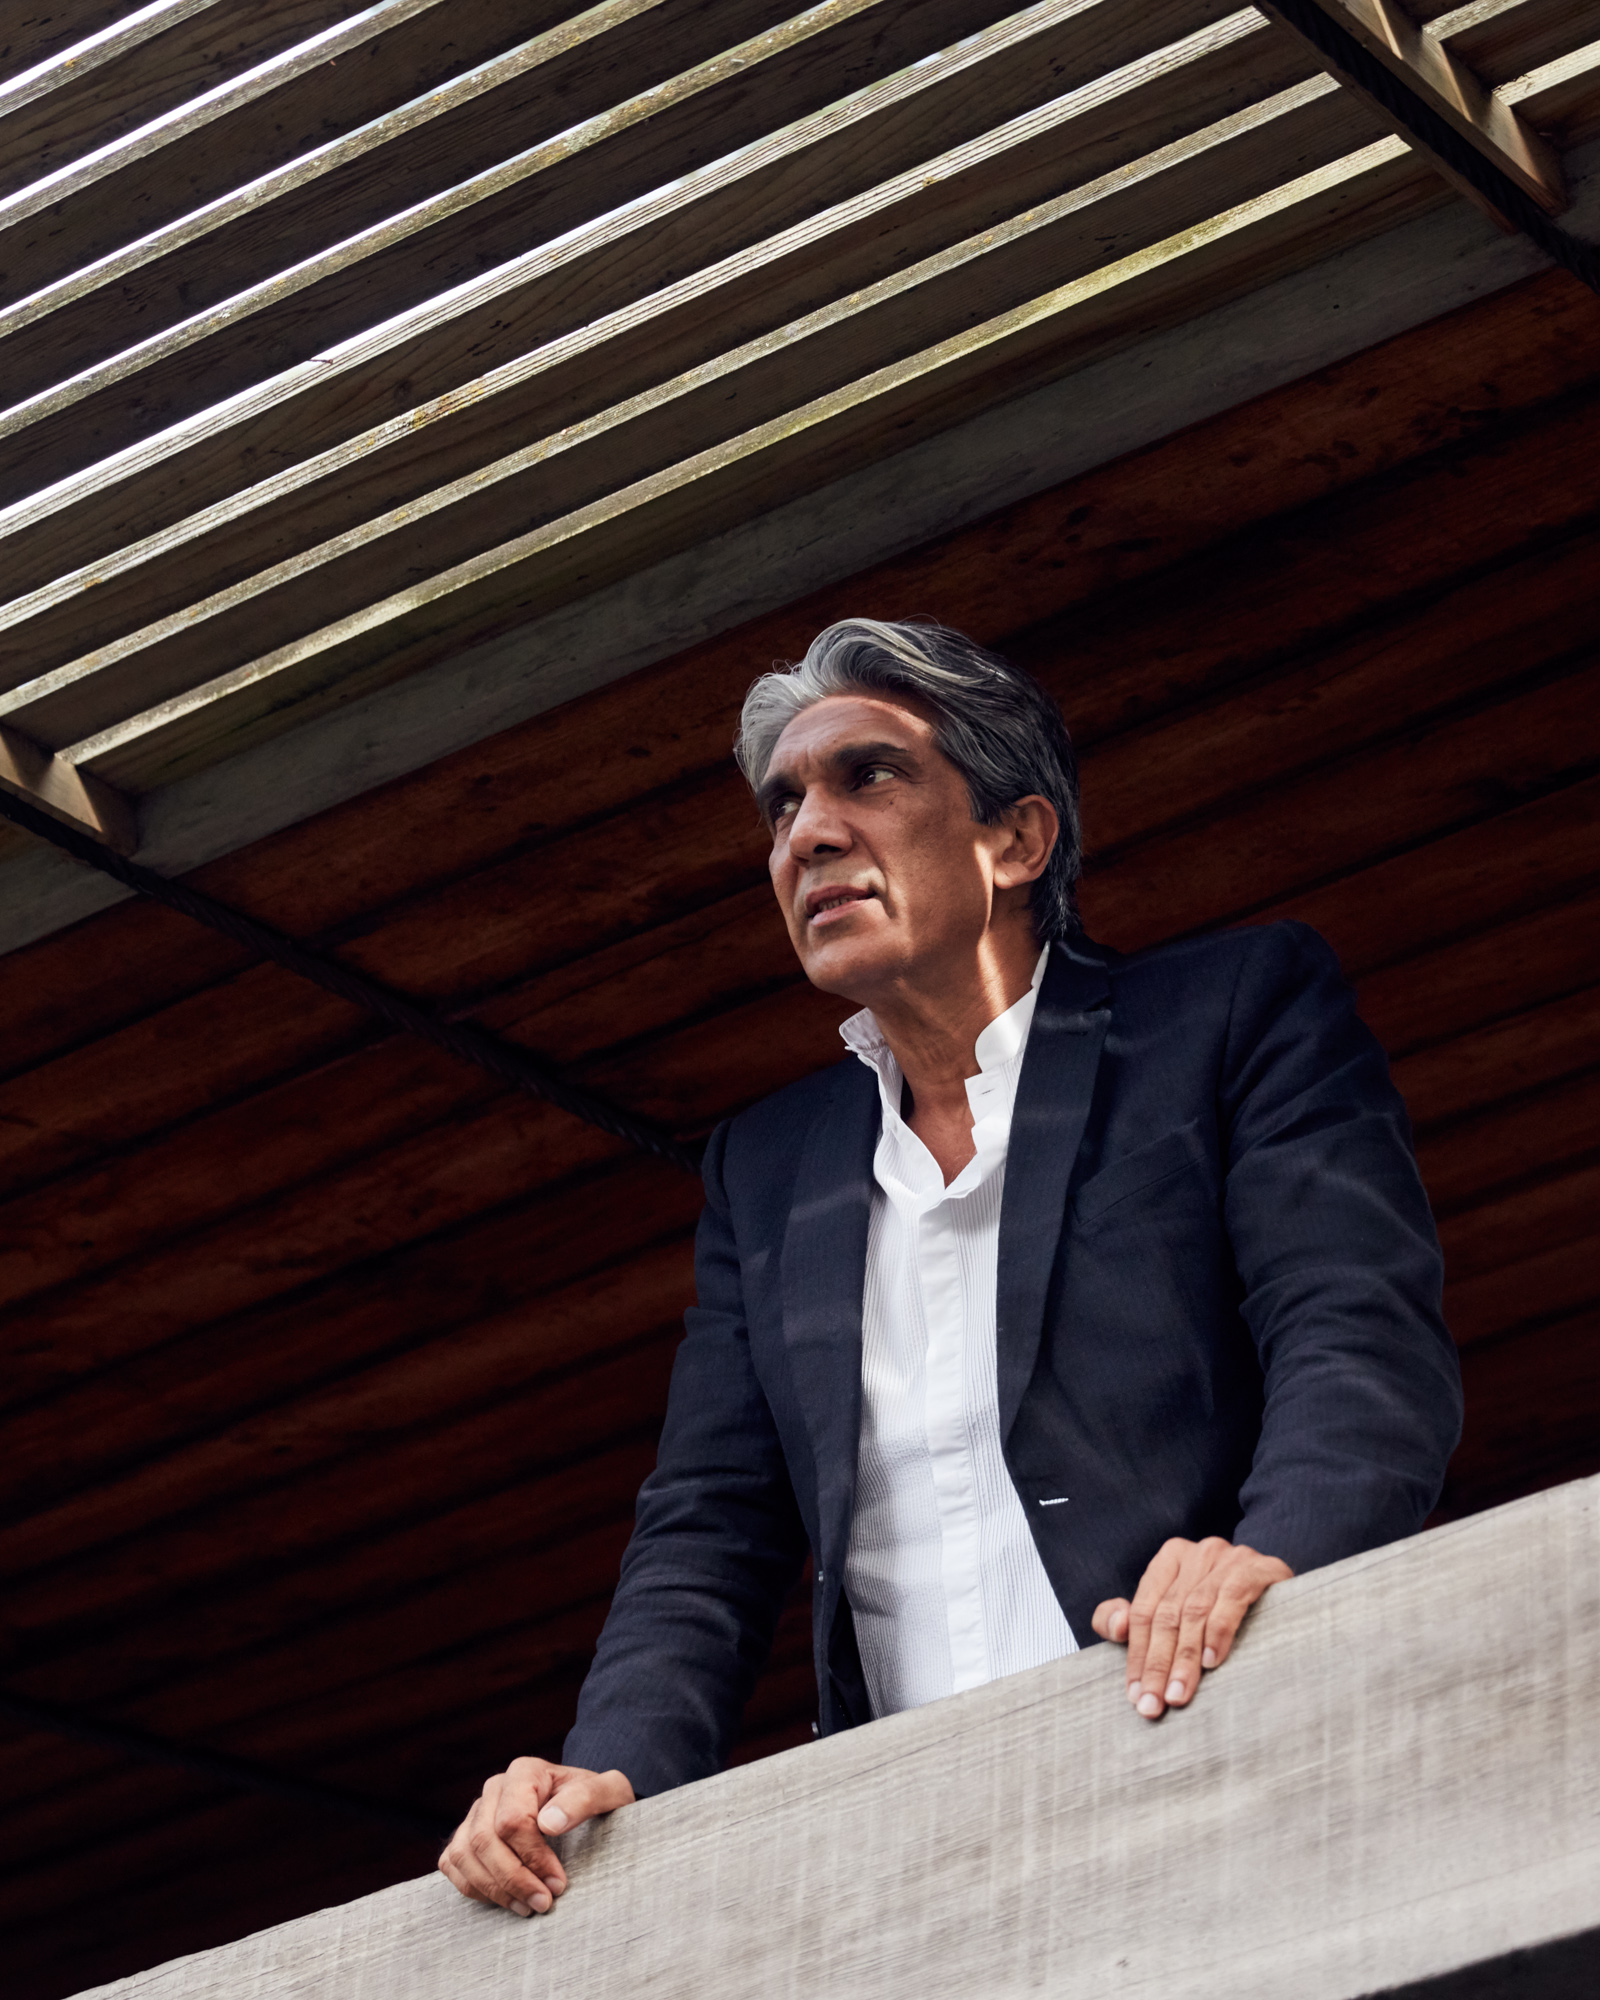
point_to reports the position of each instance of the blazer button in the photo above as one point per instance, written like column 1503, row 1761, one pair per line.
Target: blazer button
column 822, row 1576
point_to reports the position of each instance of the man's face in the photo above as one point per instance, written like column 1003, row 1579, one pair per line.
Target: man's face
column 879, row 868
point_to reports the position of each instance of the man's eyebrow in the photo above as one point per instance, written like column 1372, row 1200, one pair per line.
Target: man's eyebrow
column 848, row 756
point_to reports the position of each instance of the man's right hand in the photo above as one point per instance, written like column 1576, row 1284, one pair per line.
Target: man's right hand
column 499, row 1852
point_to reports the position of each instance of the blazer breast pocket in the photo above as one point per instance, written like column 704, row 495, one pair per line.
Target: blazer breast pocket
column 1176, row 1152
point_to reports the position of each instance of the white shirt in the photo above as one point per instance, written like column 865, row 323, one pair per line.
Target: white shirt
column 944, row 1581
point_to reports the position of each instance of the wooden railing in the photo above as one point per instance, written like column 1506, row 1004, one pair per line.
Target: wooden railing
column 1393, row 1786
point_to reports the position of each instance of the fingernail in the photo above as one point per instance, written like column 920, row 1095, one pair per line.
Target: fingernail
column 553, row 1885
column 519, row 1909
column 541, row 1902
column 1134, row 1691
column 1174, row 1690
column 1208, row 1658
column 553, row 1820
column 1150, row 1704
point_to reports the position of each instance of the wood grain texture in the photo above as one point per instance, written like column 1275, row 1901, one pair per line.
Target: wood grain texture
column 678, row 101
column 92, row 97
column 1347, row 1705
column 1434, row 72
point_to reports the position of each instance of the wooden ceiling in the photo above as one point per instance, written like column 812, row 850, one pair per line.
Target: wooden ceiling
column 332, row 1367
column 335, row 340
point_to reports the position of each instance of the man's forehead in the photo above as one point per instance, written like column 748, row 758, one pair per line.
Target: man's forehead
column 839, row 720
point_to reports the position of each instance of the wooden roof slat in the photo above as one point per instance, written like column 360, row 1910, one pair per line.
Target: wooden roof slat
column 37, row 30
column 642, row 130
column 490, row 1264
column 1540, row 955
column 321, row 1331
column 291, row 1851
column 709, row 491
column 1530, row 858
column 301, row 1666
column 390, row 1568
column 1522, row 1051
column 1488, row 1237
column 142, row 69
column 304, row 1404
column 124, row 29
column 1491, row 628
column 463, row 1616
column 344, row 1503
column 480, row 371
column 461, row 70
column 1416, row 540
column 1437, row 77
column 576, row 466
column 1546, row 1285
column 155, row 151
column 1561, row 96
column 45, row 1134
column 225, row 1154
column 1533, row 1410
column 1451, row 773
column 1502, row 42
column 184, row 1549
column 1559, row 1121
column 501, row 1152
column 204, row 1570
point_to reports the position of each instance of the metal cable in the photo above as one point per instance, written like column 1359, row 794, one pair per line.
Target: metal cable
column 1439, row 136
column 462, row 1039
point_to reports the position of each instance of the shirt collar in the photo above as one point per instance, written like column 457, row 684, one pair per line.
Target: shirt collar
column 1000, row 1043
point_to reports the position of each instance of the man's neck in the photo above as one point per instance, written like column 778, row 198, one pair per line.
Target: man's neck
column 932, row 1029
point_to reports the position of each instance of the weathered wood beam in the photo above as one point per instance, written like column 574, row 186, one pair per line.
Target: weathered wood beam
column 1390, row 1782
column 1443, row 82
column 77, row 798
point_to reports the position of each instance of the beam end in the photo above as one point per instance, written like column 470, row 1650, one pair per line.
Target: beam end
column 77, row 798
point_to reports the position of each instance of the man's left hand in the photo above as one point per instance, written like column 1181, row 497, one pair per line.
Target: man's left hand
column 1185, row 1616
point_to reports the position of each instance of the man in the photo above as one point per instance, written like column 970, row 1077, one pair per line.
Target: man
column 1089, row 1295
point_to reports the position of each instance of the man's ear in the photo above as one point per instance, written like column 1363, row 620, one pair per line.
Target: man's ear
column 1033, row 826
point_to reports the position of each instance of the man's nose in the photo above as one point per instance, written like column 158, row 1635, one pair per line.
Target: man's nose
column 817, row 829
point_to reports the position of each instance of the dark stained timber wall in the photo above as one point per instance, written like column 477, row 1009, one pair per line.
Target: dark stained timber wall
column 332, row 1368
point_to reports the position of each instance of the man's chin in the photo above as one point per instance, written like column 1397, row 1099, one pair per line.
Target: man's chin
column 852, row 967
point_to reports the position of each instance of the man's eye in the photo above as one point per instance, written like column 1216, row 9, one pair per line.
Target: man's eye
column 873, row 772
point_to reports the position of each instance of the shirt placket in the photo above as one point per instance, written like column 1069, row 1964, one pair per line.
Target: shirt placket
column 949, row 1445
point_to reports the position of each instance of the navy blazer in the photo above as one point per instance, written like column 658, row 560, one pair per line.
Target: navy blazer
column 1218, row 1315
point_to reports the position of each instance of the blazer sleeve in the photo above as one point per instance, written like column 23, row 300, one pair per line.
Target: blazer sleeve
column 1339, row 1264
column 718, row 1542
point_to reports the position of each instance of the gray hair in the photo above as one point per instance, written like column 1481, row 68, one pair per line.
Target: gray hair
column 994, row 722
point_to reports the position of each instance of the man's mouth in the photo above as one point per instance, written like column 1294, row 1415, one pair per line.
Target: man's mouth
column 821, row 903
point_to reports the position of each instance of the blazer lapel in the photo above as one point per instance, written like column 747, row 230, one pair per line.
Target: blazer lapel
column 1052, row 1105
column 823, row 1274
